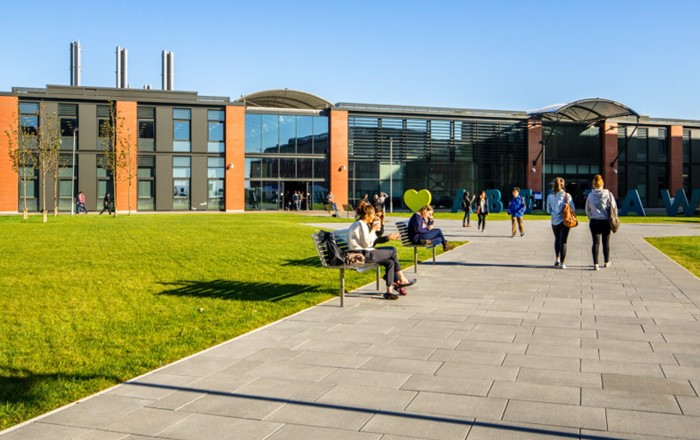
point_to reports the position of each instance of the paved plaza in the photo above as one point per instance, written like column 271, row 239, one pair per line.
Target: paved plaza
column 492, row 342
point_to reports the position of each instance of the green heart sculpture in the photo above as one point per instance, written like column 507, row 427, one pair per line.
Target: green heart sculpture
column 415, row 200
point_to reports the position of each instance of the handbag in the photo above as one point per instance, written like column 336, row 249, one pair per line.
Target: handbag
column 354, row 258
column 613, row 218
column 568, row 215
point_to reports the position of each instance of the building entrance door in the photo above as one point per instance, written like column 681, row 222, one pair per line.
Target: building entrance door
column 289, row 201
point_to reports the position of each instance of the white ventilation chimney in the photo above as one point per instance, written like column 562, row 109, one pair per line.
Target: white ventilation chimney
column 75, row 63
column 122, row 68
column 168, row 61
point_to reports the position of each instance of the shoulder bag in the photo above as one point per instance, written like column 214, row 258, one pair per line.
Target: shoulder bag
column 613, row 218
column 567, row 214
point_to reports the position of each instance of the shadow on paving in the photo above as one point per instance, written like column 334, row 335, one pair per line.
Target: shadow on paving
column 236, row 290
column 518, row 266
column 23, row 386
column 402, row 414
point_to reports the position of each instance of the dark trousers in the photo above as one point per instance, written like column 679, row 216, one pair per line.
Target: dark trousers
column 561, row 234
column 434, row 235
column 467, row 215
column 387, row 257
column 482, row 221
column 600, row 229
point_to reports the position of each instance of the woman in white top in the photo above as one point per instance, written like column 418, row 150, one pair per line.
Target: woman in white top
column 598, row 205
column 362, row 236
column 555, row 206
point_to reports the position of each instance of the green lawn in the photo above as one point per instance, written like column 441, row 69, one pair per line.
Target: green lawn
column 90, row 301
column 684, row 250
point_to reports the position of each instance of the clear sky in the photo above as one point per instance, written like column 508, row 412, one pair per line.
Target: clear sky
column 509, row 55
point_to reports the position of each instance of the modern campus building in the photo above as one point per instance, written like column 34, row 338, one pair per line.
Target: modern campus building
column 211, row 153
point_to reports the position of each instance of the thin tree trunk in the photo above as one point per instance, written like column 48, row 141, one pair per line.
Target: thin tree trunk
column 25, row 215
column 55, row 194
column 44, row 213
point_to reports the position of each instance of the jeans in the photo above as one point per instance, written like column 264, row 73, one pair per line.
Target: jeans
column 561, row 234
column 387, row 257
column 482, row 221
column 434, row 235
column 467, row 215
column 600, row 228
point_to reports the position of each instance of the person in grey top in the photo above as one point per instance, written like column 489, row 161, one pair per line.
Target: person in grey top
column 555, row 206
column 598, row 205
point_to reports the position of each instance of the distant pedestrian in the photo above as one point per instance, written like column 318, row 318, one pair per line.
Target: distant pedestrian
column 482, row 210
column 555, row 206
column 80, row 203
column 516, row 210
column 107, row 204
column 296, row 199
column 598, row 205
column 467, row 202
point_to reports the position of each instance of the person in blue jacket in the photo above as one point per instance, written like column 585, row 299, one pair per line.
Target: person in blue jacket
column 516, row 210
column 421, row 230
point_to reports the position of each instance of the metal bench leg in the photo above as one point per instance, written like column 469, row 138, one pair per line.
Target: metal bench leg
column 342, row 287
column 433, row 254
column 415, row 259
column 378, row 273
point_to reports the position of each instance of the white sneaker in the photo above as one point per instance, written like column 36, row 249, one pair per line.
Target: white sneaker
column 563, row 266
column 607, row 264
column 595, row 267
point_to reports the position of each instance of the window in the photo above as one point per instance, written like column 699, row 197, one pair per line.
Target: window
column 321, row 134
column 147, row 128
column 216, row 127
column 181, row 130
column 215, row 184
column 104, row 117
column 29, row 117
column 253, row 138
column 270, row 133
column 146, row 183
column 105, row 183
column 181, row 183
column 305, row 134
column 68, row 117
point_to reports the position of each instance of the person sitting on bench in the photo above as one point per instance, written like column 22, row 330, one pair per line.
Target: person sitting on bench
column 421, row 230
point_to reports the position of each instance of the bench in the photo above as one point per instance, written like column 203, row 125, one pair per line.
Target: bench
column 329, row 209
column 406, row 241
column 348, row 209
column 341, row 238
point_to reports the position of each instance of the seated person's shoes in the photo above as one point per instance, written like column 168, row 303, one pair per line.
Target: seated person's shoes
column 447, row 246
column 388, row 295
column 401, row 291
column 425, row 242
column 409, row 283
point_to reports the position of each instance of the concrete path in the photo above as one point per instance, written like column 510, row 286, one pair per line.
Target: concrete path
column 492, row 342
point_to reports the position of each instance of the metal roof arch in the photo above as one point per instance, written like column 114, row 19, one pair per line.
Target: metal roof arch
column 285, row 98
column 587, row 111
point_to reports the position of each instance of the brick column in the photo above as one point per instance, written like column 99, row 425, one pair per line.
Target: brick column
column 533, row 181
column 608, row 139
column 127, row 144
column 234, row 181
column 9, row 187
column 675, row 159
column 339, row 156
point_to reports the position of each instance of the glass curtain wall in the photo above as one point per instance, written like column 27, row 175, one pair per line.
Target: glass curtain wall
column 285, row 154
column 643, row 162
column 442, row 155
column 574, row 152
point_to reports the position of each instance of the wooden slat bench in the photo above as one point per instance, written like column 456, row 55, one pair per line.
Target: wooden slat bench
column 348, row 209
column 406, row 241
column 341, row 238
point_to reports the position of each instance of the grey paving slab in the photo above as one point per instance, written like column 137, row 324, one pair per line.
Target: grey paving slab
column 527, row 350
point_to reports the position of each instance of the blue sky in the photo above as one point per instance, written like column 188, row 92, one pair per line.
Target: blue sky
column 512, row 55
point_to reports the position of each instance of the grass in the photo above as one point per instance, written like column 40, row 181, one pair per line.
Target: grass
column 684, row 250
column 90, row 301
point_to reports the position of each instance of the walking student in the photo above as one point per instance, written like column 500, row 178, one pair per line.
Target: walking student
column 598, row 205
column 467, row 202
column 482, row 210
column 516, row 210
column 555, row 206
column 107, row 204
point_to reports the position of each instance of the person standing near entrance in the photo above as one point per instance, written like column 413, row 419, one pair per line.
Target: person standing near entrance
column 555, row 206
column 482, row 210
column 296, row 200
column 598, row 205
column 467, row 202
column 516, row 210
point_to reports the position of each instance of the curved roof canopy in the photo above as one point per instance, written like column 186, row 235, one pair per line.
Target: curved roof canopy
column 285, row 98
column 584, row 110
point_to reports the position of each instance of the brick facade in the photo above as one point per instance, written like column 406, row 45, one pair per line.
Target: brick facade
column 9, row 187
column 339, row 156
column 235, row 159
column 675, row 158
column 608, row 138
column 126, row 192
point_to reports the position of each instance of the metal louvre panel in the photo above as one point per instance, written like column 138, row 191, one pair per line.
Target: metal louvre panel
column 146, row 112
column 103, row 111
column 67, row 109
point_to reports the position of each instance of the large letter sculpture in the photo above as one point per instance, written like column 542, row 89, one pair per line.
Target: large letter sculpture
column 527, row 195
column 680, row 201
column 632, row 203
column 457, row 204
column 494, row 199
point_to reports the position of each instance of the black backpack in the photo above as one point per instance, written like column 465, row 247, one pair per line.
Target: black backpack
column 334, row 255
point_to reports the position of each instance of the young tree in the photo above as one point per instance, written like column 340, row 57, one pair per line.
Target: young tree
column 117, row 156
column 48, row 148
column 22, row 141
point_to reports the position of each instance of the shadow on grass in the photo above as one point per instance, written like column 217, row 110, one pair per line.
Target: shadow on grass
column 25, row 386
column 305, row 262
column 236, row 290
